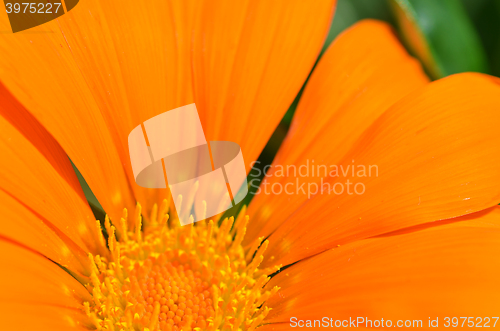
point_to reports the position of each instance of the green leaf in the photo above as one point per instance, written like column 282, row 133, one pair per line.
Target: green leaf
column 441, row 35
column 94, row 204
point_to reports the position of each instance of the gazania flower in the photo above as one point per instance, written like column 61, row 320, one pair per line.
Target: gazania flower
column 421, row 242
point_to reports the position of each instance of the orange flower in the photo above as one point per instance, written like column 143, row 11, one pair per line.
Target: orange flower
column 421, row 242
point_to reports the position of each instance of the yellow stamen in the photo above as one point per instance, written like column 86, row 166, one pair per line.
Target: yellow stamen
column 163, row 211
column 100, row 236
column 124, row 229
column 193, row 277
column 154, row 213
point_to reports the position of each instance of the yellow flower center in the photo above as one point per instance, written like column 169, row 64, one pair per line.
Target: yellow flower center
column 161, row 276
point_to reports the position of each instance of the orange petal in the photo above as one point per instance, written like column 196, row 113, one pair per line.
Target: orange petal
column 275, row 327
column 32, row 231
column 363, row 73
column 42, row 201
column 36, row 294
column 485, row 218
column 436, row 153
column 157, row 78
column 250, row 59
column 443, row 271
column 22, row 316
column 136, row 62
column 39, row 70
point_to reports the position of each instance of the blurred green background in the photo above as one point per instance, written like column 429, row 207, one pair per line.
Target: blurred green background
column 447, row 36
